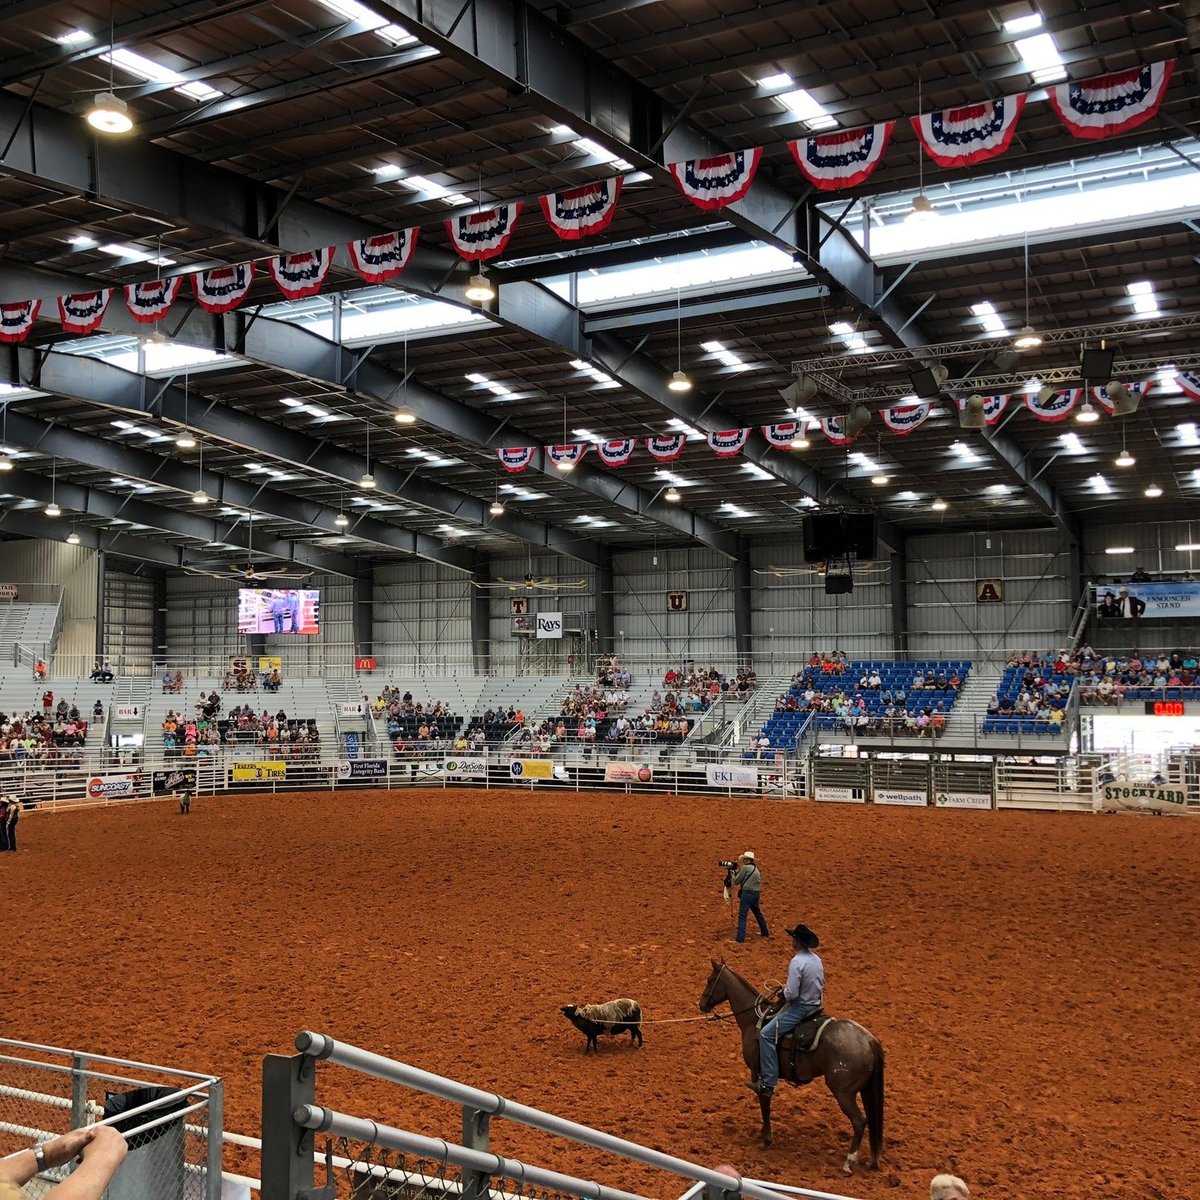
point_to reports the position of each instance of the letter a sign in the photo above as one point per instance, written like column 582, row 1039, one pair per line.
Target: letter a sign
column 677, row 602
column 989, row 591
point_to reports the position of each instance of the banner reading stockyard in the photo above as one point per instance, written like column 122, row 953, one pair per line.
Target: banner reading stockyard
column 1149, row 601
column 163, row 783
column 250, row 772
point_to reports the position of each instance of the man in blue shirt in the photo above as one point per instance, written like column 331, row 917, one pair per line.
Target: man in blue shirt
column 803, row 994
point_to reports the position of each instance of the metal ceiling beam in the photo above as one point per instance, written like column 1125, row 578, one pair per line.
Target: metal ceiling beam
column 734, row 303
column 130, row 462
column 93, row 502
column 30, row 523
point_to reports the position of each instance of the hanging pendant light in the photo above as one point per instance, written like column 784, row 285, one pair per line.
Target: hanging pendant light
column 922, row 210
column 565, row 464
column 6, row 462
column 184, row 439
column 1087, row 414
column 1028, row 338
column 679, row 381
column 200, row 496
column 1124, row 459
column 479, row 288
column 404, row 415
column 73, row 537
column 366, row 480
column 108, row 113
column 52, row 509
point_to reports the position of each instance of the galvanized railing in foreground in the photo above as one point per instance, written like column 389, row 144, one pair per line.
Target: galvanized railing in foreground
column 417, row 1165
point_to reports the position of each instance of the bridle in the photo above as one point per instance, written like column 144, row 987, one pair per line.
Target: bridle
column 756, row 1007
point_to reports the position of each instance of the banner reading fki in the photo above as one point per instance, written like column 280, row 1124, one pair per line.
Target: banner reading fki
column 549, row 625
column 1149, row 601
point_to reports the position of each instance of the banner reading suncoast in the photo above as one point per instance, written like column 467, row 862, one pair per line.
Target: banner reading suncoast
column 1147, row 601
column 251, row 772
column 110, row 787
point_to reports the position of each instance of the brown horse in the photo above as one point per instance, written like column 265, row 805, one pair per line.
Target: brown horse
column 850, row 1059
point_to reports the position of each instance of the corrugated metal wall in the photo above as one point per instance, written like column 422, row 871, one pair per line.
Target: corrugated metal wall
column 202, row 624
column 422, row 618
column 128, row 621
column 76, row 569
column 1033, row 567
column 512, row 651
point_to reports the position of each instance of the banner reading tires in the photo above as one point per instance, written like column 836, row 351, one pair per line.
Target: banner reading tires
column 258, row 772
column 164, row 783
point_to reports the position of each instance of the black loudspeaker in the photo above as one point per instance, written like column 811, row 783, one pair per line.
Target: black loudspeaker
column 836, row 535
column 925, row 384
column 1096, row 364
column 838, row 581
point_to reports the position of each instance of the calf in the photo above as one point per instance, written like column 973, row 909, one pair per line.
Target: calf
column 613, row 1016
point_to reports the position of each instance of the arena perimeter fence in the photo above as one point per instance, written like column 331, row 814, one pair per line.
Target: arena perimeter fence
column 364, row 1159
column 171, row 1119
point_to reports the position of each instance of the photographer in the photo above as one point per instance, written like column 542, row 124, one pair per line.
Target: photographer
column 747, row 878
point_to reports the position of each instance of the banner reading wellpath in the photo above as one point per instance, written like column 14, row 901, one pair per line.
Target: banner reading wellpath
column 1148, row 601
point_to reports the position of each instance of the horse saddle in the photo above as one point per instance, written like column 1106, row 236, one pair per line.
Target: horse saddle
column 796, row 1046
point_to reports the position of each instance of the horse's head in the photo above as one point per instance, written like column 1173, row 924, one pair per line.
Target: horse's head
column 714, row 990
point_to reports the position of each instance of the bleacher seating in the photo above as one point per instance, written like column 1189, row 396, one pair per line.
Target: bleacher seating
column 1013, row 682
column 783, row 729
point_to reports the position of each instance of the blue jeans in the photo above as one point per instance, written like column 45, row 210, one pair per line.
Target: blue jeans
column 768, row 1036
column 749, row 904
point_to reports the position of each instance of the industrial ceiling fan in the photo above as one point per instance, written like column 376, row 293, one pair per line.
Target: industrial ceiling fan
column 247, row 573
column 532, row 584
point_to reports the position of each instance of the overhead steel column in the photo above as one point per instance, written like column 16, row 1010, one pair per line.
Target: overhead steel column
column 605, row 606
column 363, row 619
column 898, row 586
column 158, row 630
column 743, row 626
column 100, row 569
column 481, row 616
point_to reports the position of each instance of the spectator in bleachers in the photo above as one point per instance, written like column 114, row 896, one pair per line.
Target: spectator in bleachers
column 98, row 711
column 40, row 670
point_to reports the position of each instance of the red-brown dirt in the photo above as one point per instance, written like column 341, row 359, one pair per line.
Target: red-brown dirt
column 1031, row 975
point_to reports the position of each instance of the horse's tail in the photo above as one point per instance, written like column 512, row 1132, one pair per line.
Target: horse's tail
column 872, row 1095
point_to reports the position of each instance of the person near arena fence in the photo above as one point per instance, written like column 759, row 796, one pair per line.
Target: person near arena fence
column 948, row 1187
column 749, row 882
column 100, row 1150
column 10, row 819
column 803, row 994
column 3, row 823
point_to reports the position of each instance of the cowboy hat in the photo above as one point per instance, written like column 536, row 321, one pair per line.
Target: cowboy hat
column 748, row 855
column 804, row 936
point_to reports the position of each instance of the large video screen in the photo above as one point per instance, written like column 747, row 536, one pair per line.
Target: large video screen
column 279, row 610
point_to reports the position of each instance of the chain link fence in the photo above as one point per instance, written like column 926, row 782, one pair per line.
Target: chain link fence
column 171, row 1119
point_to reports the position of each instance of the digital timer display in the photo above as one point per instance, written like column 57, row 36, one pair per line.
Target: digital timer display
column 1164, row 708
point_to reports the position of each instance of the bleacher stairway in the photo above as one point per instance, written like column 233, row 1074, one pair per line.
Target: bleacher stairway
column 971, row 707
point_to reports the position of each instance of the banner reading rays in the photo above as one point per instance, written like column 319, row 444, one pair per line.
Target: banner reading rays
column 844, row 158
column 1109, row 104
column 581, row 211
column 958, row 137
column 378, row 259
column 712, row 183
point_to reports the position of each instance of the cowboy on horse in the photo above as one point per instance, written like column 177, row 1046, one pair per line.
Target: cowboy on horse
column 803, row 993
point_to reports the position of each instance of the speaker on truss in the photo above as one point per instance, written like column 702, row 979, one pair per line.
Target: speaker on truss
column 839, row 579
column 1124, row 400
column 970, row 416
column 1096, row 363
column 856, row 421
column 926, row 382
column 800, row 391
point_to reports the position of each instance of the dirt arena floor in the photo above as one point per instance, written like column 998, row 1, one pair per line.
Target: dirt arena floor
column 1031, row 975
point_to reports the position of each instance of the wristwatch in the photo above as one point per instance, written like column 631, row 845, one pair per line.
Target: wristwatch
column 39, row 1157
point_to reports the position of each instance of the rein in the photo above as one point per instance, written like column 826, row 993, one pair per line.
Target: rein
column 759, row 1007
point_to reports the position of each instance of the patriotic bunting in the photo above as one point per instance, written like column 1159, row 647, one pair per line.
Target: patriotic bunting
column 84, row 311
column 223, row 288
column 715, row 182
column 728, row 442
column 301, row 275
column 958, row 137
column 514, row 459
column 150, row 302
column 16, row 319
column 993, row 407
column 1110, row 104
column 616, row 453
column 1051, row 404
column 666, row 449
column 1140, row 390
column 483, row 235
column 1189, row 382
column 583, row 210
column 782, row 435
column 378, row 259
column 831, row 427
column 904, row 418
column 567, row 456
column 844, row 158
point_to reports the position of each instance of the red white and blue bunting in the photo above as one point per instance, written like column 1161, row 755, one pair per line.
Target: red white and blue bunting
column 832, row 428
column 1140, row 390
column 83, row 312
column 565, row 457
column 1109, row 104
column 993, row 406
column 783, row 434
column 581, row 211
column 904, row 418
column 844, row 158
column 301, row 275
column 712, row 183
column 616, row 453
column 958, row 137
column 483, row 235
column 16, row 319
column 728, row 443
column 223, row 288
column 514, row 459
column 666, row 449
column 378, row 259
column 1056, row 406
column 150, row 302
column 1189, row 383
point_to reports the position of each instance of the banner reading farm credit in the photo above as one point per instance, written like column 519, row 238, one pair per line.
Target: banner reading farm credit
column 916, row 799
column 731, row 777
column 627, row 772
column 962, row 800
column 111, row 787
column 1147, row 601
column 251, row 772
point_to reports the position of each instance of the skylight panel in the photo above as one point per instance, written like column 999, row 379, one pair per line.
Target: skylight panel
column 855, row 342
column 756, row 472
column 74, row 37
column 804, row 105
column 519, row 492
column 1100, row 485
column 964, row 452
column 733, row 510
column 1145, row 302
column 694, row 435
column 867, row 464
column 1071, row 444
column 989, row 318
column 1023, row 24
column 497, row 389
column 587, row 146
column 1040, row 55
column 418, row 183
column 907, row 496
column 727, row 357
column 148, row 69
column 672, row 478
column 602, row 378
column 165, row 357
column 373, row 22
column 586, row 435
column 1188, row 435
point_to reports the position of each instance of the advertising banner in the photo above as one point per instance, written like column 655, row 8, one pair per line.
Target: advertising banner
column 963, row 800
column 163, row 783
column 251, row 772
column 268, row 662
column 473, row 767
column 8, row 591
column 531, row 768
column 1147, row 601
column 110, row 787
column 366, row 662
column 362, row 768
column 731, row 777
column 549, row 625
column 888, row 796
column 627, row 772
column 840, row 794
column 1143, row 797
column 127, row 712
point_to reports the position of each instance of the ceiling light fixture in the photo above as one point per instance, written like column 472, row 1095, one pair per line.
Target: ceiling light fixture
column 496, row 508
column 341, row 520
column 922, row 209
column 185, row 441
column 799, row 442
column 200, row 496
column 673, row 495
column 404, row 415
column 109, row 114
column 479, row 288
column 880, row 480
column 939, row 506
column 1154, row 491
column 1124, row 459
column 1028, row 338
column 73, row 537
column 1087, row 414
column 565, row 465
column 367, row 480
column 52, row 509
column 679, row 381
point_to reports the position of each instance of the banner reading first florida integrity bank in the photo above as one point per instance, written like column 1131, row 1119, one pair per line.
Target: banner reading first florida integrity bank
column 1147, row 601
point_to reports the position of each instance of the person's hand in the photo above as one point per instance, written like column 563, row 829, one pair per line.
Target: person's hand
column 105, row 1148
column 63, row 1149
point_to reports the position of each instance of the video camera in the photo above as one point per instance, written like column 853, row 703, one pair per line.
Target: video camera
column 729, row 866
